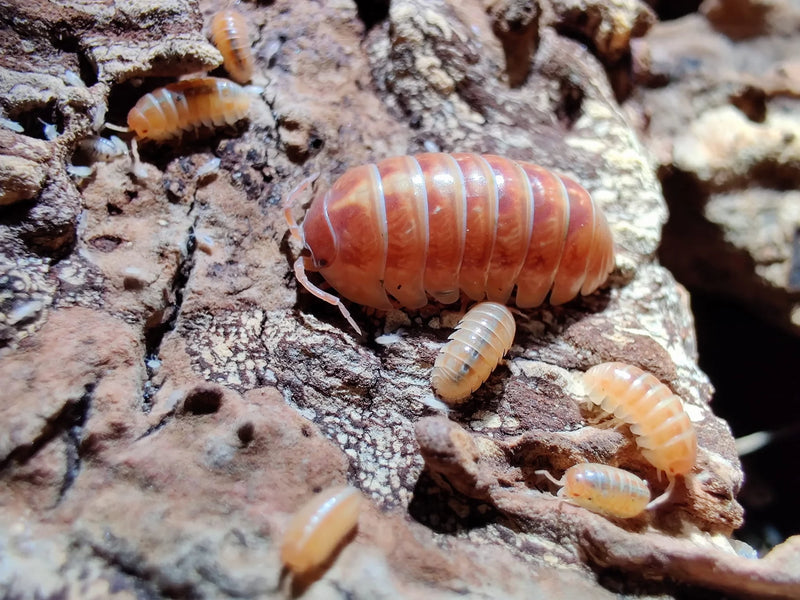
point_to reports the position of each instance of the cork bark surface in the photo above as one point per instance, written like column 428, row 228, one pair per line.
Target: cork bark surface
column 171, row 395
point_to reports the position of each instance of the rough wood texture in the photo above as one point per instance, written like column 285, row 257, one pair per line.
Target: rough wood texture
column 717, row 102
column 170, row 397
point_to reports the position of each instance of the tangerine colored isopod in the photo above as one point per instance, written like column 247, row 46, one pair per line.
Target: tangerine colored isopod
column 664, row 433
column 603, row 489
column 481, row 339
column 186, row 105
column 434, row 225
column 230, row 34
column 319, row 527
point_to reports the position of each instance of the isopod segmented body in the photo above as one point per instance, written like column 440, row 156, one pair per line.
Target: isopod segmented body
column 230, row 34
column 480, row 340
column 317, row 529
column 186, row 105
column 436, row 224
column 664, row 433
column 98, row 148
column 603, row 489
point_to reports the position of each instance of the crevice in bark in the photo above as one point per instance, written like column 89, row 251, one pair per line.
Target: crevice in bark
column 74, row 420
column 68, row 422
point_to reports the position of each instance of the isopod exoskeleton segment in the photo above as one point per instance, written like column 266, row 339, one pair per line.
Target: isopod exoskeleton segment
column 187, row 105
column 656, row 416
column 434, row 225
column 230, row 34
column 603, row 489
column 318, row 527
column 480, row 341
column 97, row 148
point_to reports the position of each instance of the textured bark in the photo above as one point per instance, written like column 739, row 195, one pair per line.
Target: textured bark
column 718, row 107
column 172, row 397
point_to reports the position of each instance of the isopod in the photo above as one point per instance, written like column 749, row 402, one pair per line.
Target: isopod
column 229, row 32
column 186, row 105
column 97, row 148
column 438, row 224
column 319, row 527
column 480, row 340
column 664, row 433
column 603, row 489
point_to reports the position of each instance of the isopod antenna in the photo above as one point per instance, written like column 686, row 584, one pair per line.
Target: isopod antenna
column 300, row 263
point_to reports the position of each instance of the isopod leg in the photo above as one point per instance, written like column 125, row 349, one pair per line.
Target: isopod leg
column 550, row 477
column 663, row 497
column 136, row 164
column 294, row 228
column 300, row 273
column 118, row 128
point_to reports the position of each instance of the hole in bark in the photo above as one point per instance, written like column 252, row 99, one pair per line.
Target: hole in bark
column 41, row 121
column 246, row 433
column 668, row 10
column 372, row 12
column 569, row 107
column 203, row 401
column 752, row 102
column 105, row 243
column 86, row 70
column 316, row 143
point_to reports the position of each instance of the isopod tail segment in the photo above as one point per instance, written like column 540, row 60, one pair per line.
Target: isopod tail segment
column 306, row 263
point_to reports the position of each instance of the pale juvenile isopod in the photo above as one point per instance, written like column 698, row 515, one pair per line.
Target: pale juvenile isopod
column 230, row 34
column 656, row 416
column 603, row 489
column 187, row 105
column 480, row 340
column 97, row 148
column 319, row 527
column 434, row 225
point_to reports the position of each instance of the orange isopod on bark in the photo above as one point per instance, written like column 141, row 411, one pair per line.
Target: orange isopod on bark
column 604, row 489
column 319, row 527
column 436, row 224
column 186, row 105
column 480, row 340
column 656, row 416
column 230, row 34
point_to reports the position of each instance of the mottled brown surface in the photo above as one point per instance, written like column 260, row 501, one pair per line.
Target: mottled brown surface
column 171, row 397
column 717, row 105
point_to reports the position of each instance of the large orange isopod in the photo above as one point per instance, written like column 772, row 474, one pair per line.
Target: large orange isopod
column 410, row 228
